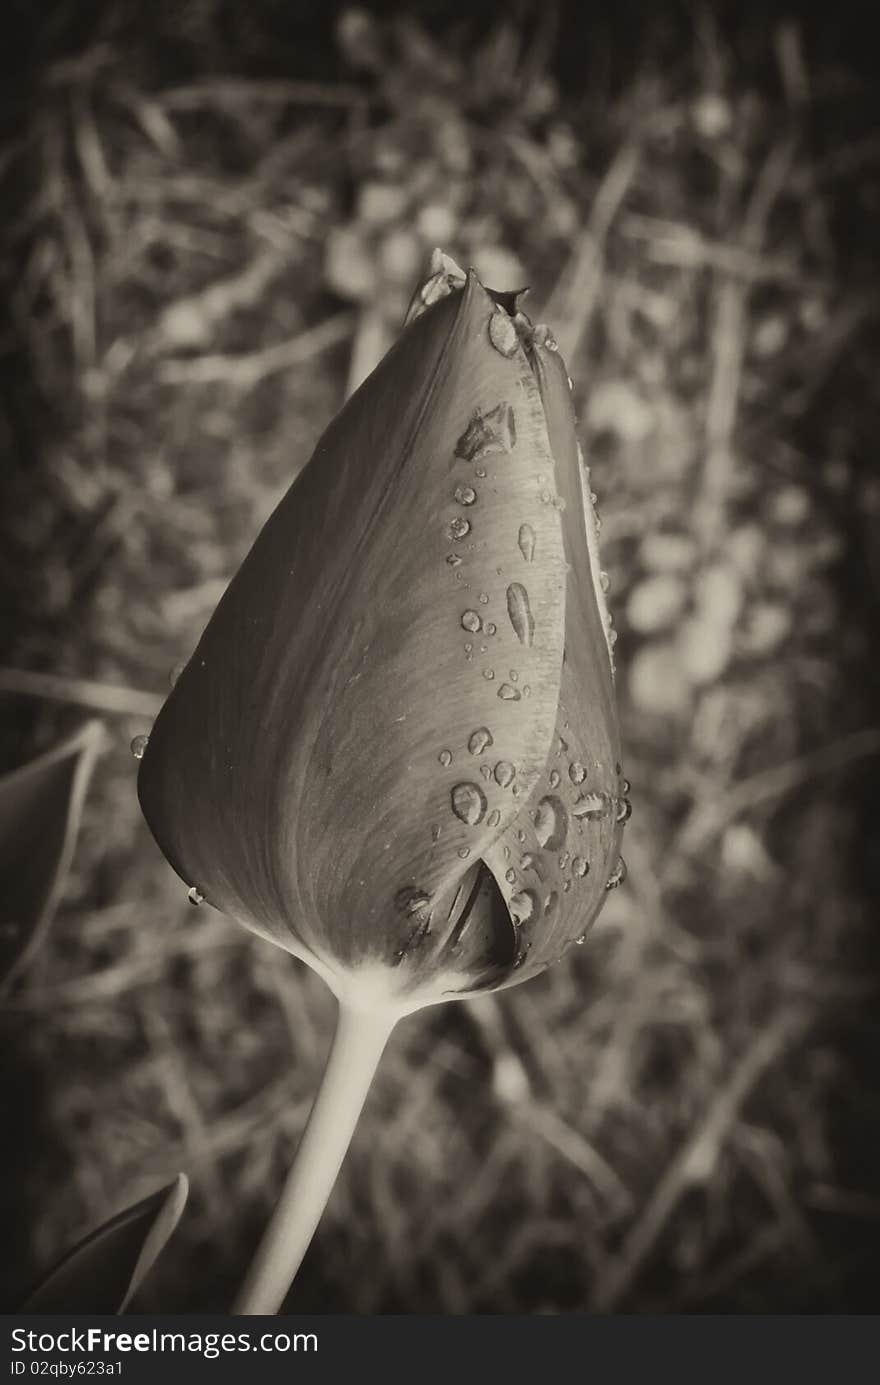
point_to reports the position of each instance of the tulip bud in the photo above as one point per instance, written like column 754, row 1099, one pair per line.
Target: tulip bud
column 395, row 750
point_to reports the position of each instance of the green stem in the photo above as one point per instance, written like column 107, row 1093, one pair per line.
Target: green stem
column 354, row 1056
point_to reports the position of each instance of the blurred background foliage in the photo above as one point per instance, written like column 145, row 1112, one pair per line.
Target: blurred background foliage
column 214, row 215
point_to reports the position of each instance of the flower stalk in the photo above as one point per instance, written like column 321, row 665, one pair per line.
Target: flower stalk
column 358, row 1044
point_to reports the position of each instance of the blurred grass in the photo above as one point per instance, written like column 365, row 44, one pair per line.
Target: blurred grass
column 214, row 220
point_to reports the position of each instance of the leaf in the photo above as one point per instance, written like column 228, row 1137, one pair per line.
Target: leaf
column 104, row 1272
column 40, row 808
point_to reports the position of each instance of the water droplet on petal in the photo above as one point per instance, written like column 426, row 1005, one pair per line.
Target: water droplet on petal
column 508, row 693
column 458, row 528
column 453, row 560
column 412, row 899
column 494, row 818
column 138, row 746
column 576, row 772
column 564, row 860
column 471, row 621
column 469, row 803
column 550, row 902
column 488, row 674
column 589, row 805
column 526, row 541
column 551, row 823
column 520, row 613
column 479, row 740
column 554, row 779
column 527, row 692
column 580, row 867
column 504, row 773
column 523, row 906
column 617, row 876
column 464, row 852
column 581, row 940
column 194, row 896
column 625, row 785
column 486, row 771
column 465, row 495
column 435, row 832
column 484, row 598
column 604, row 581
column 624, row 810
column 502, row 333
column 491, row 629
column 445, row 758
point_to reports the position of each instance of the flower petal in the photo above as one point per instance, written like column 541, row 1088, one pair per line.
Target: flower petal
column 376, row 694
column 553, row 864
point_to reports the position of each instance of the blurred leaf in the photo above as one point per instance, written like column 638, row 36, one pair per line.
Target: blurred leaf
column 103, row 1273
column 40, row 809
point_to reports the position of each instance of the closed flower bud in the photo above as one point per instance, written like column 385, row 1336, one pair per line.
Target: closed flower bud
column 395, row 750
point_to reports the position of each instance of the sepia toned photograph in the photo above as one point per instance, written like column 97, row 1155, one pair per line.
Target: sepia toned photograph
column 439, row 716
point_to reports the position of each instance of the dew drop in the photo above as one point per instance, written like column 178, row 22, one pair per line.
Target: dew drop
column 564, row 860
column 469, row 803
column 445, row 758
column 502, row 333
column 481, row 472
column 504, row 773
column 453, row 560
column 491, row 629
column 551, row 823
column 465, row 495
column 526, row 541
column 514, row 676
column 566, row 887
column 138, row 746
column 520, row 836
column 624, row 810
column 479, row 740
column 486, row 771
column 580, row 867
column 604, row 581
column 625, row 785
column 488, row 674
column 471, row 621
column 508, row 693
column 412, row 899
column 520, row 612
column 523, row 906
column 464, row 852
column 435, row 832
column 194, row 896
column 554, row 779
column 581, row 940
column 527, row 692
column 550, row 902
column 458, row 528
column 589, row 805
column 617, row 876
column 510, row 876
column 494, row 818
column 576, row 772
column 484, row 598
